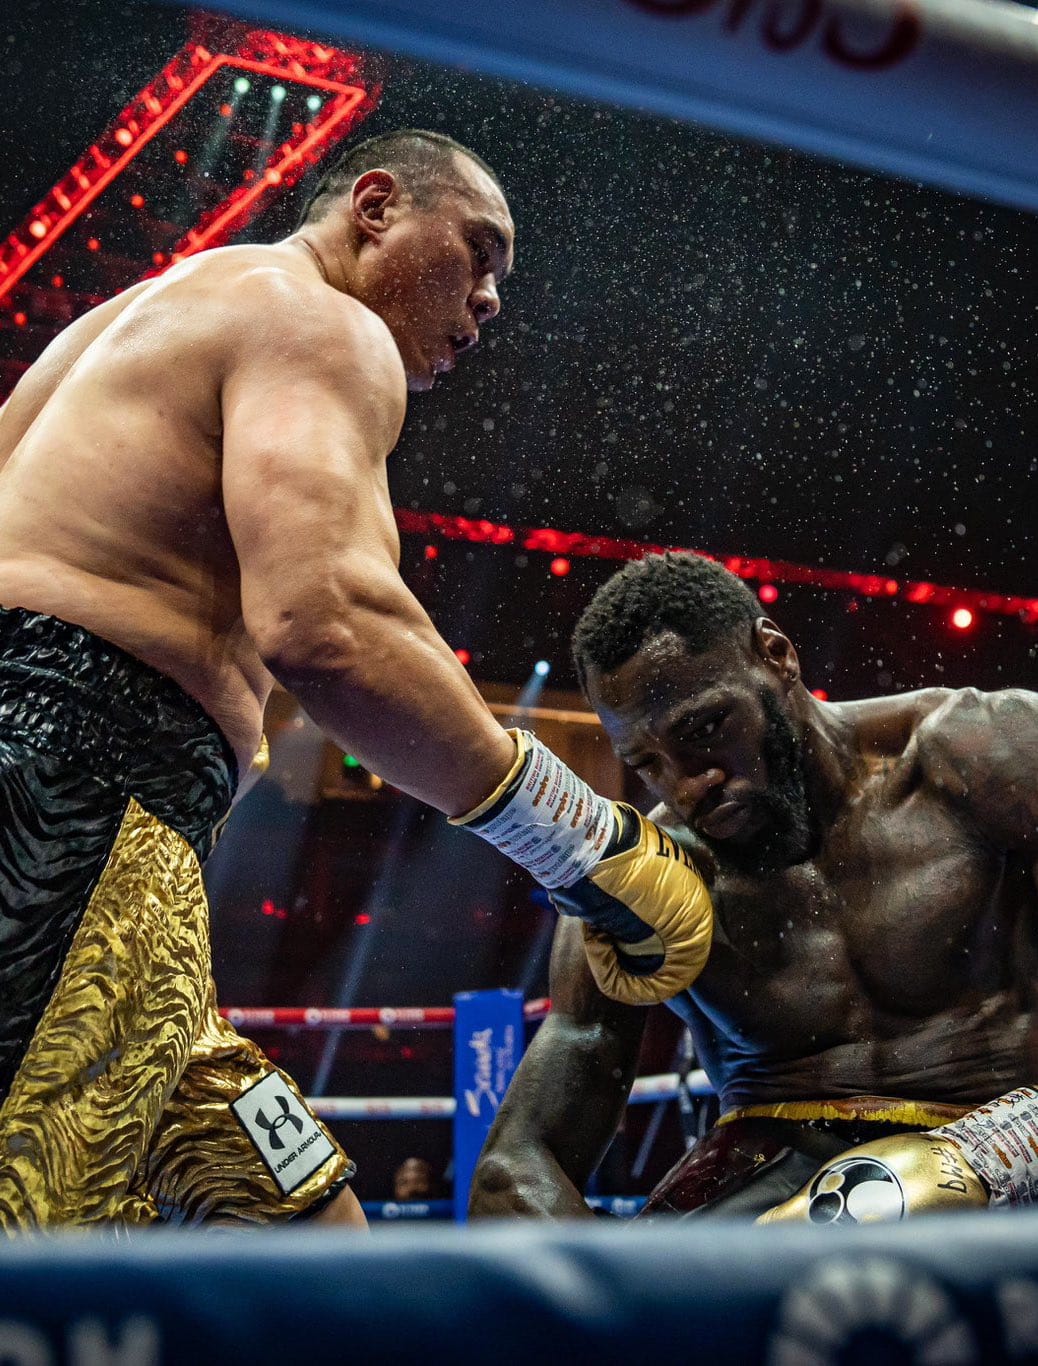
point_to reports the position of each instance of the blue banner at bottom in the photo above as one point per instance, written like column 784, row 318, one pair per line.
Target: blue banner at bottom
column 958, row 1290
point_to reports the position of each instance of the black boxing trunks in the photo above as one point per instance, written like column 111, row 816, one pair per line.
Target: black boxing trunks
column 757, row 1156
column 124, row 1097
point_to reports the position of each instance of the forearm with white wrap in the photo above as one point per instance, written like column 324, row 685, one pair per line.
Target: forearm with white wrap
column 648, row 918
column 988, row 1157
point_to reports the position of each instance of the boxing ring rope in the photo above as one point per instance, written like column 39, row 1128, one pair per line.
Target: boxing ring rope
column 952, row 1292
column 645, row 1091
column 663, row 1087
column 358, row 1017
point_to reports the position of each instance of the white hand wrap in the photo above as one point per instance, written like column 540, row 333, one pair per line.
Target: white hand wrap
column 1000, row 1142
column 553, row 824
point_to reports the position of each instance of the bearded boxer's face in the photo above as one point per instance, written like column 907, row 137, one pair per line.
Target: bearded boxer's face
column 672, row 716
column 433, row 271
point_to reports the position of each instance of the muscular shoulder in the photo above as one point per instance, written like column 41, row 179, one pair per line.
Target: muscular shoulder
column 976, row 730
column 297, row 329
column 980, row 749
column 293, row 315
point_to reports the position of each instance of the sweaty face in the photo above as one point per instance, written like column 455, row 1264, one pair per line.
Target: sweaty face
column 439, row 270
column 674, row 716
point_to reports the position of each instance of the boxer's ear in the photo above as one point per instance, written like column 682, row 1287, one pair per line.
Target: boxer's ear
column 374, row 195
column 776, row 650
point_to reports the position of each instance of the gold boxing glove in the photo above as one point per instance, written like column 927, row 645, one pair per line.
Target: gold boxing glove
column 647, row 913
column 989, row 1156
column 887, row 1179
column 648, row 918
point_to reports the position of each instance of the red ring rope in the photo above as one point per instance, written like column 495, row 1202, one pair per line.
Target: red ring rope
column 357, row 1017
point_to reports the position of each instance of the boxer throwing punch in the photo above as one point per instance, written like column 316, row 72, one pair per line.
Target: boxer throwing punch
column 193, row 503
column 874, row 967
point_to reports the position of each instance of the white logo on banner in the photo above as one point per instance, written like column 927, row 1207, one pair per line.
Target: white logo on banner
column 845, row 1299
column 283, row 1131
column 481, row 1044
column 492, row 1068
column 134, row 1342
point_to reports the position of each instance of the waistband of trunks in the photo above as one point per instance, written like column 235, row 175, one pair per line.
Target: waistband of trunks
column 66, row 692
column 923, row 1114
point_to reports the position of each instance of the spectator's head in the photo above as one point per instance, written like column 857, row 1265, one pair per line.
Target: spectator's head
column 414, row 1180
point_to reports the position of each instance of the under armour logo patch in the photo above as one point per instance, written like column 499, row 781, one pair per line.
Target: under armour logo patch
column 273, row 1125
column 283, row 1131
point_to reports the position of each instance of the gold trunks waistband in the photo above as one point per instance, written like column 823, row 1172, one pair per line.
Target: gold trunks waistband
column 872, row 1109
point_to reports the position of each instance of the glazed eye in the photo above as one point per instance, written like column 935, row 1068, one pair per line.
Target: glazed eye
column 481, row 254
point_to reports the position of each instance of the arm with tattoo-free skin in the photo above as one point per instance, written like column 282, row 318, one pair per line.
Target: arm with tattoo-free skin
column 566, row 1100
column 311, row 412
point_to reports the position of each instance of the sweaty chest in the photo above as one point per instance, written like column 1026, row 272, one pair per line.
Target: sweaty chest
column 893, row 920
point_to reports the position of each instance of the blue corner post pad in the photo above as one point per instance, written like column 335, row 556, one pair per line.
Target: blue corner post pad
column 489, row 1038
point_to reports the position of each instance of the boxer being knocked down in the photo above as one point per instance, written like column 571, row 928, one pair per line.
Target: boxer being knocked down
column 866, row 1013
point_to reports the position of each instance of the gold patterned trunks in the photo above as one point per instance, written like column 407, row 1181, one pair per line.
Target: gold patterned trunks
column 124, row 1097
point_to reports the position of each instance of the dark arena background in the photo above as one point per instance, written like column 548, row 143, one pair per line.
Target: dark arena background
column 823, row 377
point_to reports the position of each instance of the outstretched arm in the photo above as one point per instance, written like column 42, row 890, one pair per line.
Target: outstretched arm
column 312, row 404
column 566, row 1100
column 311, row 412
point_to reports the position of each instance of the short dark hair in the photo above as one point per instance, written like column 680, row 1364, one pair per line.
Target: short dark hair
column 696, row 598
column 423, row 161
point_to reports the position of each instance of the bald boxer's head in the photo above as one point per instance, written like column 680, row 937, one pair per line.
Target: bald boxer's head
column 422, row 233
column 688, row 677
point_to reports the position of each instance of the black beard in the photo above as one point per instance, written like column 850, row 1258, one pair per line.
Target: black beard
column 788, row 834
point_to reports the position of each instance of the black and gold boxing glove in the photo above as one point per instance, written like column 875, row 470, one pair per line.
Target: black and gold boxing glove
column 647, row 914
column 988, row 1157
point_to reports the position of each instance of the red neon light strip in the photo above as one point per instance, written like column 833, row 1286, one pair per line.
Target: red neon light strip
column 575, row 543
column 327, row 69
column 279, row 73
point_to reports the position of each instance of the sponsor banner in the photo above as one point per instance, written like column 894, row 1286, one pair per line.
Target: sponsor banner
column 390, row 1211
column 878, row 83
column 489, row 1038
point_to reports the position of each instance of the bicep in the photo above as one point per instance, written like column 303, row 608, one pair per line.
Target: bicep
column 304, row 491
